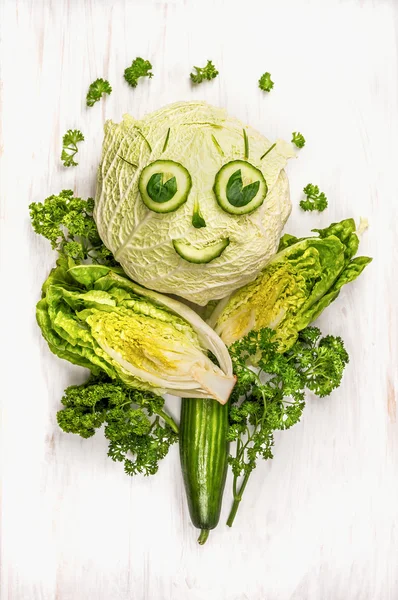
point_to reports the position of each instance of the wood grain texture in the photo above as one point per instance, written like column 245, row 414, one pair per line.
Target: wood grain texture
column 320, row 521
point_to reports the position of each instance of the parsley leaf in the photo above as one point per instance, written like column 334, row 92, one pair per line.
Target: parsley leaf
column 135, row 438
column 270, row 395
column 69, row 150
column 265, row 83
column 96, row 90
column 315, row 200
column 68, row 223
column 298, row 139
column 208, row 72
column 321, row 362
column 139, row 68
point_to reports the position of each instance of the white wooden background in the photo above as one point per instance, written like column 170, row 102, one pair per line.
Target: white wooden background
column 320, row 521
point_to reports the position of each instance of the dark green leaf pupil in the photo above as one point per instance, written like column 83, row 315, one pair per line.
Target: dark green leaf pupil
column 238, row 195
column 159, row 191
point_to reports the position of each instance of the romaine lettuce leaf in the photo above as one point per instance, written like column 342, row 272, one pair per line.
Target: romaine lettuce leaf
column 297, row 284
column 94, row 317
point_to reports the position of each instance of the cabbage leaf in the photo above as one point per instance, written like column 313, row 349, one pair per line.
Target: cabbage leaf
column 202, row 138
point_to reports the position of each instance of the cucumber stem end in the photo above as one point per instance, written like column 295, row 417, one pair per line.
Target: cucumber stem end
column 204, row 534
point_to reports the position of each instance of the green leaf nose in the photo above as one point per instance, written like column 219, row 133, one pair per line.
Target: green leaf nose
column 197, row 219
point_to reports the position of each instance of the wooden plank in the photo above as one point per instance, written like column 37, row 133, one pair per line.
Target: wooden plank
column 320, row 520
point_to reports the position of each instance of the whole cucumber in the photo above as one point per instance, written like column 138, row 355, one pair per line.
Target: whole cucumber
column 204, row 459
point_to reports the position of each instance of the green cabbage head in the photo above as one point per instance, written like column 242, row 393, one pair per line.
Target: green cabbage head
column 299, row 282
column 202, row 138
column 94, row 317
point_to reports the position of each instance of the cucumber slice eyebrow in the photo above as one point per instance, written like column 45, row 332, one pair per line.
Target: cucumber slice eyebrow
column 240, row 187
column 164, row 185
column 166, row 140
column 217, row 145
column 202, row 255
column 246, row 144
column 268, row 151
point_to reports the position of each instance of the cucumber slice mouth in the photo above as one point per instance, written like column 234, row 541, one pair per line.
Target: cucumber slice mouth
column 200, row 254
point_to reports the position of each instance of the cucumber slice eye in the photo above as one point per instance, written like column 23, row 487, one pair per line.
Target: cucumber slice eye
column 164, row 185
column 240, row 187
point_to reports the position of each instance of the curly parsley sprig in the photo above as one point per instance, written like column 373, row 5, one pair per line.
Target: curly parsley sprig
column 298, row 139
column 204, row 73
column 272, row 397
column 67, row 222
column 139, row 430
column 315, row 200
column 265, row 82
column 96, row 91
column 69, row 150
column 139, row 68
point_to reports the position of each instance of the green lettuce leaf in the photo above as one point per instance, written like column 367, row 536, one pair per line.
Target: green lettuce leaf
column 295, row 287
column 94, row 317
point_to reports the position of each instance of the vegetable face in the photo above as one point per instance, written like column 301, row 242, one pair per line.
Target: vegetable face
column 294, row 288
column 182, row 200
column 94, row 317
